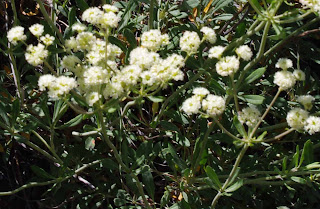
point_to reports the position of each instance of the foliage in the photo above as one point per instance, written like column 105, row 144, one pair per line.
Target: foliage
column 135, row 106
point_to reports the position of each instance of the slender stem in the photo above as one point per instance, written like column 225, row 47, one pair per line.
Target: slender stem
column 255, row 8
column 279, row 136
column 74, row 133
column 231, row 175
column 151, row 10
column 291, row 20
column 235, row 93
column 78, row 109
column 225, row 130
column 47, row 145
column 265, row 113
column 124, row 112
column 269, row 128
column 177, row 92
column 50, row 68
column 315, row 20
column 16, row 76
column 203, row 147
column 15, row 14
column 35, row 147
column 35, row 184
column 119, row 160
column 258, row 57
column 50, row 22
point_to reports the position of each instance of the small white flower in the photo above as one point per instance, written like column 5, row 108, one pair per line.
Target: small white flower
column 284, row 63
column 110, row 8
column 70, row 62
column 214, row 105
column 201, row 92
column 312, row 125
column 45, row 81
column 299, row 75
column 190, row 42
column 35, row 55
column 61, row 86
column 85, row 40
column 71, row 44
column 192, row 105
column 227, row 65
column 37, row 29
column 47, row 39
column 79, row 27
column 92, row 98
column 284, row 79
column 131, row 74
column 16, row 34
column 109, row 19
column 92, row 15
column 244, row 52
column 312, row 4
column 216, row 52
column 306, row 101
column 153, row 40
column 95, row 75
column 296, row 118
column 143, row 58
column 249, row 115
column 209, row 34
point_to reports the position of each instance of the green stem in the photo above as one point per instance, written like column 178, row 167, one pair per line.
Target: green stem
column 291, row 20
column 225, row 130
column 203, row 147
column 315, row 20
column 235, row 93
column 176, row 93
column 279, row 136
column 119, row 160
column 255, row 8
column 231, row 176
column 50, row 22
column 44, row 153
column 47, row 145
column 15, row 14
column 269, row 128
column 50, row 68
column 151, row 10
column 16, row 76
column 259, row 55
column 265, row 114
column 89, row 133
column 35, row 184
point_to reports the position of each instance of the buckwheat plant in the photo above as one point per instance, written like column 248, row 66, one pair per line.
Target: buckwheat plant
column 191, row 101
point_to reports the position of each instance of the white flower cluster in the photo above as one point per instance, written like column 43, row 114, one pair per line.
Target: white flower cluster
column 312, row 4
column 153, row 40
column 306, row 101
column 57, row 86
column 104, row 19
column 249, row 115
column 35, row 55
column 16, row 34
column 286, row 79
column 230, row 64
column 209, row 34
column 37, row 30
column 212, row 104
column 299, row 119
column 190, row 42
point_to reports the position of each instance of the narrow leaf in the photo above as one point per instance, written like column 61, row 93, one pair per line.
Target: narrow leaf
column 235, row 186
column 239, row 126
column 255, row 75
column 307, row 153
column 147, row 180
column 40, row 172
column 213, row 176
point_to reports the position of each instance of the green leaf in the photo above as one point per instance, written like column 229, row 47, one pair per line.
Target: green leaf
column 3, row 114
column 307, row 153
column 156, row 99
column 90, row 143
column 284, row 163
column 235, row 186
column 296, row 156
column 252, row 99
column 169, row 126
column 73, row 122
column 118, row 43
column 239, row 126
column 72, row 16
column 130, row 37
column 15, row 110
column 60, row 107
column 298, row 179
column 147, row 180
column 213, row 176
column 82, row 4
column 40, row 172
column 165, row 199
column 177, row 160
column 191, row 3
column 211, row 184
column 255, row 75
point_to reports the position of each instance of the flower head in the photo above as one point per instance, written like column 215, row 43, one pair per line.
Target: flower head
column 284, row 63
column 306, row 101
column 153, row 40
column 214, row 105
column 209, row 34
column 216, row 52
column 16, row 34
column 296, row 118
column 312, row 125
column 37, row 29
column 35, row 55
column 299, row 75
column 192, row 105
column 47, row 39
column 227, row 65
column 249, row 115
column 284, row 79
column 201, row 92
column 190, row 42
column 92, row 15
column 244, row 52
